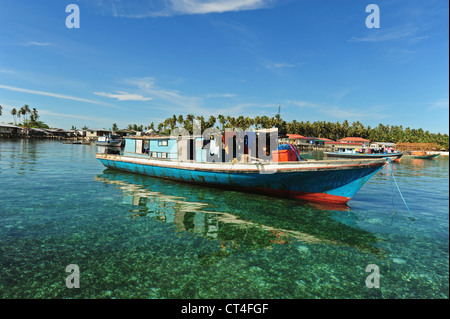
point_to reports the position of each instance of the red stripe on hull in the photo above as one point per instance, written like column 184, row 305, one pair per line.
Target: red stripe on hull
column 322, row 198
column 306, row 196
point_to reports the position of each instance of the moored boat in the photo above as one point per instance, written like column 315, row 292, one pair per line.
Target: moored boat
column 329, row 181
column 71, row 141
column 108, row 140
column 392, row 156
column 373, row 150
column 421, row 155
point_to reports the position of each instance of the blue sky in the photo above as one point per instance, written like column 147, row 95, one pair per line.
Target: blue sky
column 140, row 61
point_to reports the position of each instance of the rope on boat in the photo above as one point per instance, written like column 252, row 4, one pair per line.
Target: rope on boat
column 296, row 153
column 398, row 188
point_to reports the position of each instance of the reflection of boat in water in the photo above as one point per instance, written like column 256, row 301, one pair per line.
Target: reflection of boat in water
column 237, row 220
column 420, row 155
column 109, row 140
column 332, row 181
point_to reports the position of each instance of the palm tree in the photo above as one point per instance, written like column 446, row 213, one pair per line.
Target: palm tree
column 211, row 122
column 201, row 119
column 222, row 120
column 23, row 112
column 180, row 119
column 173, row 122
column 189, row 123
column 14, row 113
column 257, row 122
column 34, row 116
column 26, row 110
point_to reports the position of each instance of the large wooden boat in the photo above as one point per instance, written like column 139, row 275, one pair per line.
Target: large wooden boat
column 329, row 181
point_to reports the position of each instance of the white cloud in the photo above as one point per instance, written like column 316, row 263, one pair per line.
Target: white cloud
column 279, row 67
column 166, row 8
column 344, row 113
column 182, row 103
column 124, row 96
column 55, row 95
column 215, row 6
column 220, row 95
column 72, row 116
column 30, row 43
column 301, row 104
column 440, row 104
column 390, row 34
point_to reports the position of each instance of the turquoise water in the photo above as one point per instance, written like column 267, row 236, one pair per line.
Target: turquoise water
column 138, row 237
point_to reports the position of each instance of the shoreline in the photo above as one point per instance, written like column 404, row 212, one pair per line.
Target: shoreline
column 302, row 147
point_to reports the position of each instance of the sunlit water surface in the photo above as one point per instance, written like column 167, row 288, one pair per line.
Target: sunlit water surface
column 139, row 237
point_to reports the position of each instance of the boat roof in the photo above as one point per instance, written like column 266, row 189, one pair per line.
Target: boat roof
column 161, row 137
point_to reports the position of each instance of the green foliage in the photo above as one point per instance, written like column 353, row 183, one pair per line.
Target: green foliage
column 333, row 131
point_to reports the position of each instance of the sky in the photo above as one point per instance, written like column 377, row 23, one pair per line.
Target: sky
column 141, row 61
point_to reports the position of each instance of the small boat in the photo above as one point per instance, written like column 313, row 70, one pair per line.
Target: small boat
column 71, row 141
column 109, row 140
column 420, row 155
column 186, row 159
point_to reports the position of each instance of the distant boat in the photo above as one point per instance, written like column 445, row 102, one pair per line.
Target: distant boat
column 71, row 142
column 421, row 155
column 330, row 181
column 393, row 156
column 375, row 150
column 108, row 140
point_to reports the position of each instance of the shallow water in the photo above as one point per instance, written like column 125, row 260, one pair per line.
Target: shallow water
column 139, row 237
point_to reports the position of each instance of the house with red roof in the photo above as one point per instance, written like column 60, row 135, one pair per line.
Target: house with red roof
column 348, row 144
column 359, row 140
column 298, row 139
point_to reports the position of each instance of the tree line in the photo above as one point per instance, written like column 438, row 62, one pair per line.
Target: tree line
column 320, row 129
column 30, row 117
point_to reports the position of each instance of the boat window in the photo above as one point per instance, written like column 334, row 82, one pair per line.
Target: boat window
column 145, row 146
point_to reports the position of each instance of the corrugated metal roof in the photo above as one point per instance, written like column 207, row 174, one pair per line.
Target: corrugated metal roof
column 9, row 125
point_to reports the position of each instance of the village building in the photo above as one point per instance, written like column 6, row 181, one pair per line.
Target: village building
column 95, row 133
column 9, row 130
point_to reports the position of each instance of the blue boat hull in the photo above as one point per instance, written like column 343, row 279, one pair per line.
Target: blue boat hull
column 330, row 184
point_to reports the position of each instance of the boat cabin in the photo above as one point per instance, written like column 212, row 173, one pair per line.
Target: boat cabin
column 231, row 146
